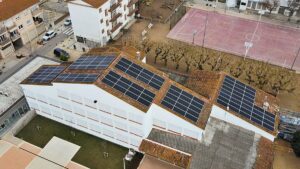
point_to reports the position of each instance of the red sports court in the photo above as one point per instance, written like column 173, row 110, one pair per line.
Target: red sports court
column 274, row 44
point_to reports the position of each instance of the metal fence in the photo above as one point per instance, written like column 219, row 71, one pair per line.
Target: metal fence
column 177, row 14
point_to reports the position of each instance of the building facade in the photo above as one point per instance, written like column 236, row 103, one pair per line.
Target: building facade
column 99, row 21
column 21, row 22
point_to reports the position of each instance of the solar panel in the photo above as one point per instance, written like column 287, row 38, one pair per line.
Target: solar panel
column 140, row 73
column 240, row 98
column 45, row 74
column 183, row 103
column 76, row 77
column 129, row 88
column 92, row 62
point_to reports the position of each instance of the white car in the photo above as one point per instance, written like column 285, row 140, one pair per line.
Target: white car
column 67, row 22
column 49, row 35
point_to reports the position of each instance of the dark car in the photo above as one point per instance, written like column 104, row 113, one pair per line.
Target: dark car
column 60, row 52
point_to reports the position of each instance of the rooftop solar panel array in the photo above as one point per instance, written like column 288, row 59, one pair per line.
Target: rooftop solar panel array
column 76, row 77
column 129, row 88
column 45, row 74
column 183, row 103
column 240, row 98
column 92, row 62
column 140, row 73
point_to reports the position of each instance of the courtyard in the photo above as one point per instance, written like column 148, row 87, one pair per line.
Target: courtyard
column 94, row 152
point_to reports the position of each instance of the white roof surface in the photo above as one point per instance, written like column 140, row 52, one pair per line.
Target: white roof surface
column 57, row 151
column 11, row 85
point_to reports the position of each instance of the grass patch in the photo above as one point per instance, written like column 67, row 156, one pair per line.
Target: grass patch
column 91, row 152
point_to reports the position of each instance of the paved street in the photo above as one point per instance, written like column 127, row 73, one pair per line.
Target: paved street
column 50, row 45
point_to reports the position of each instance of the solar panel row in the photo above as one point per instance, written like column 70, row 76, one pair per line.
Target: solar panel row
column 183, row 103
column 240, row 98
column 75, row 77
column 92, row 62
column 45, row 74
column 129, row 88
column 140, row 73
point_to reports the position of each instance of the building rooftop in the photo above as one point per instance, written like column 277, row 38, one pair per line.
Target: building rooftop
column 129, row 79
column 33, row 157
column 9, row 8
column 11, row 87
column 223, row 146
column 93, row 3
column 214, row 85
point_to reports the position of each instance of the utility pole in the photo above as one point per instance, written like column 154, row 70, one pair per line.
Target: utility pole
column 194, row 34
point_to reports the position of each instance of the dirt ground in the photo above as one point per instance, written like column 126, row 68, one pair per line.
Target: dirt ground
column 158, row 9
column 284, row 156
column 291, row 100
column 157, row 33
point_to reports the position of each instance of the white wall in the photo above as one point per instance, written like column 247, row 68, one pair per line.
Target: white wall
column 85, row 22
column 231, row 3
column 173, row 123
column 103, row 119
column 110, row 118
column 221, row 114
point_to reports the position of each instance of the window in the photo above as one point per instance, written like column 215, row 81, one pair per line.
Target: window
column 124, row 7
column 100, row 10
column 20, row 26
column 107, row 23
column 101, row 21
column 105, row 12
column 102, row 30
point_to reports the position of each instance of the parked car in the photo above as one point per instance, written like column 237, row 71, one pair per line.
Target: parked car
column 68, row 22
column 49, row 35
column 58, row 52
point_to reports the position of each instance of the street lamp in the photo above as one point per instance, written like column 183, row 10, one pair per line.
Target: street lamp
column 194, row 34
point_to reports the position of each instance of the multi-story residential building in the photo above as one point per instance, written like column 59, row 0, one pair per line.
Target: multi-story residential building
column 100, row 20
column 20, row 22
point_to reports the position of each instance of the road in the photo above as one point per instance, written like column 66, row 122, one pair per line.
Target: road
column 50, row 45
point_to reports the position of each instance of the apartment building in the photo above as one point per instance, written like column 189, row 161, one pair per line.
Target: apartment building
column 20, row 22
column 100, row 20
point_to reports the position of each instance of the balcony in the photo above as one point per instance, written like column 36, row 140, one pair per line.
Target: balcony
column 12, row 28
column 2, row 30
column 15, row 37
column 131, row 2
column 132, row 12
column 37, row 12
column 4, row 42
column 38, row 21
column 115, row 6
column 117, row 26
column 115, row 17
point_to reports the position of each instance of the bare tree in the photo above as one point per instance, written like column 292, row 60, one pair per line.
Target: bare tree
column 293, row 6
column 237, row 69
column 271, row 5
